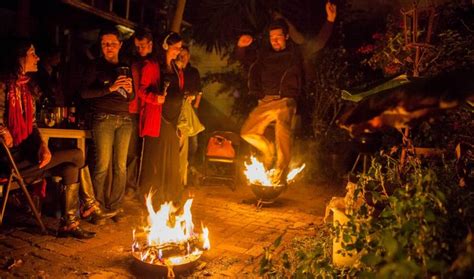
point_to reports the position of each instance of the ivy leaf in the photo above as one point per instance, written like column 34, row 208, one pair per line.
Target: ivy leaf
column 286, row 261
column 408, row 227
column 440, row 195
column 386, row 213
column 390, row 245
column 277, row 241
column 429, row 216
column 371, row 259
column 346, row 238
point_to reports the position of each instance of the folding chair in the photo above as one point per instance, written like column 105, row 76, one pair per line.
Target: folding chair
column 15, row 181
column 225, row 158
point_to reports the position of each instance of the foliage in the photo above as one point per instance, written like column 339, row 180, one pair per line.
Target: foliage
column 218, row 23
column 416, row 222
column 234, row 82
column 447, row 130
column 451, row 42
column 240, row 17
column 322, row 96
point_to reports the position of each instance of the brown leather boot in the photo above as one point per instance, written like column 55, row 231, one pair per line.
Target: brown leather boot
column 69, row 226
column 91, row 210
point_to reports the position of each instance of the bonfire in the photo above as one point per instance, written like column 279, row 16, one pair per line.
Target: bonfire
column 169, row 238
column 261, row 181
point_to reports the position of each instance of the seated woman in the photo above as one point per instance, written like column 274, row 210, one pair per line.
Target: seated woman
column 19, row 131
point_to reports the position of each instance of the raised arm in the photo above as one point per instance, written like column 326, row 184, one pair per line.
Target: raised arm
column 245, row 52
column 315, row 44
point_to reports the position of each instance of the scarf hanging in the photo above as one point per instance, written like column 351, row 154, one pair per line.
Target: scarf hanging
column 20, row 110
column 181, row 79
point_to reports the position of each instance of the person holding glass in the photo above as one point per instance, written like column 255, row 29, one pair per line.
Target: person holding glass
column 108, row 90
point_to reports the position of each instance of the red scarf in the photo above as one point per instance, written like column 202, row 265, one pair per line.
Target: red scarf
column 181, row 79
column 20, row 110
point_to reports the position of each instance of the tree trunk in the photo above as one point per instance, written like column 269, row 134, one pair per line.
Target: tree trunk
column 178, row 16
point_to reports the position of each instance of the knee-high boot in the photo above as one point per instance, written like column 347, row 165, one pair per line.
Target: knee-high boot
column 91, row 209
column 69, row 225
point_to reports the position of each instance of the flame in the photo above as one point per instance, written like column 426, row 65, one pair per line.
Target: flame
column 167, row 229
column 205, row 235
column 257, row 174
column 294, row 172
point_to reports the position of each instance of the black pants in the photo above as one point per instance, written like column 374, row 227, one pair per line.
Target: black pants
column 133, row 156
column 64, row 163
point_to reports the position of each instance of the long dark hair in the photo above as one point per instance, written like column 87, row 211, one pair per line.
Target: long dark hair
column 15, row 49
column 11, row 67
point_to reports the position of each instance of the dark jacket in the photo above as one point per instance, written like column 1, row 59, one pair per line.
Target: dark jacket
column 276, row 73
column 97, row 79
column 192, row 79
column 281, row 73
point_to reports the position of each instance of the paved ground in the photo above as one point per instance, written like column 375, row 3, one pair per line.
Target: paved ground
column 238, row 233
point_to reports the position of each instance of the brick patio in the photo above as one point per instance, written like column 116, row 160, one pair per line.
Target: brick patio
column 238, row 233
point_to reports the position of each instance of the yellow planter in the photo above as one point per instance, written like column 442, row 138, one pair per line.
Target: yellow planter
column 337, row 258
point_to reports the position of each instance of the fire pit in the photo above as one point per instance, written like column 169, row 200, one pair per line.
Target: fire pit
column 260, row 181
column 267, row 193
column 169, row 240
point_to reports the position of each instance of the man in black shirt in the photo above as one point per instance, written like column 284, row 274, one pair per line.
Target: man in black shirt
column 276, row 78
column 108, row 89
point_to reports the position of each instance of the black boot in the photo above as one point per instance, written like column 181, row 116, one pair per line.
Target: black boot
column 69, row 226
column 92, row 210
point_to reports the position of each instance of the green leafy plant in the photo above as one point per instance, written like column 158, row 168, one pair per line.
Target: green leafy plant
column 450, row 45
column 415, row 222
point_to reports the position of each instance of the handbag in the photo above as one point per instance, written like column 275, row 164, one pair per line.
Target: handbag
column 219, row 146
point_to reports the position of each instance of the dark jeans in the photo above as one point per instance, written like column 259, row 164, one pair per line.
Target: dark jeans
column 133, row 157
column 111, row 135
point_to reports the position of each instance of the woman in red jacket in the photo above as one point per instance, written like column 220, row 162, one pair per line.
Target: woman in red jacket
column 161, row 97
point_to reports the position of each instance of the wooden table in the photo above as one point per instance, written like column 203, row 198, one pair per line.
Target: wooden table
column 80, row 135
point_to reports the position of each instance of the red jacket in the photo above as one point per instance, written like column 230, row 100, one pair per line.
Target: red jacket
column 149, row 109
column 136, row 73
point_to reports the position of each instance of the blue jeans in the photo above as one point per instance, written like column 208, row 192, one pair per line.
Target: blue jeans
column 111, row 135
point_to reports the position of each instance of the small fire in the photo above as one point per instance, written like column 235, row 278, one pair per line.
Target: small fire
column 257, row 174
column 169, row 239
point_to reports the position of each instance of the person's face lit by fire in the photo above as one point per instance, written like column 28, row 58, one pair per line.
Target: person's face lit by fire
column 110, row 47
column 29, row 63
column 183, row 57
column 174, row 50
column 143, row 46
column 278, row 39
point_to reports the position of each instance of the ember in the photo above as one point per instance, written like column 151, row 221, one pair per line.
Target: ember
column 169, row 239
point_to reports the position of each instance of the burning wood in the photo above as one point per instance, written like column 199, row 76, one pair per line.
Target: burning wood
column 257, row 174
column 169, row 239
column 261, row 181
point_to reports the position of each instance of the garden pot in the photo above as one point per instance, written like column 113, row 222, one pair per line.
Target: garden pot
column 337, row 258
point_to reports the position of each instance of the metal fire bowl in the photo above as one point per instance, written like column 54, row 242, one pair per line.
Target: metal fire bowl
column 267, row 193
column 162, row 268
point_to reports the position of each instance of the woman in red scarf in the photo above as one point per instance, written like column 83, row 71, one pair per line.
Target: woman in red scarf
column 31, row 153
